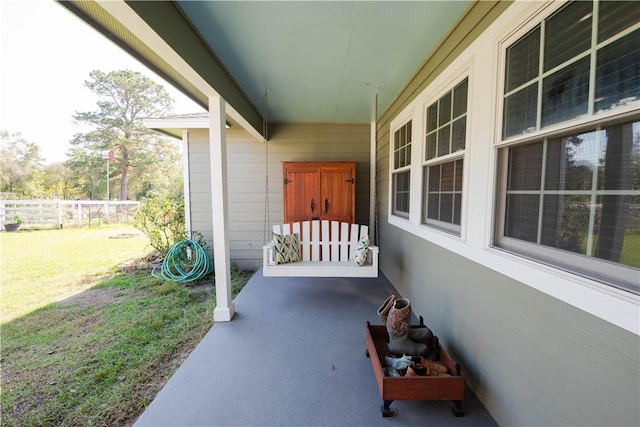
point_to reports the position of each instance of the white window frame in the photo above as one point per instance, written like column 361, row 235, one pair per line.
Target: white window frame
column 590, row 266
column 447, row 158
column 449, row 227
column 555, row 258
column 484, row 63
column 395, row 127
column 416, row 111
column 582, row 121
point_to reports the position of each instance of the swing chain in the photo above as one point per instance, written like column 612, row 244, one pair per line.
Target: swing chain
column 266, row 166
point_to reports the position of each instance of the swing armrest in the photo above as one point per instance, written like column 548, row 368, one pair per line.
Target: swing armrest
column 267, row 254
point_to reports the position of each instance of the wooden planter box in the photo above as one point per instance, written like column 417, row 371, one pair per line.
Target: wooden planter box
column 413, row 388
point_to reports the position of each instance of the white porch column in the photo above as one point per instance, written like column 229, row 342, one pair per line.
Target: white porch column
column 373, row 155
column 372, row 183
column 186, row 186
column 225, row 309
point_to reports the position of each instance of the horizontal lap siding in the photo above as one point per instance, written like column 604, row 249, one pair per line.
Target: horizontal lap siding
column 200, row 185
column 246, row 178
column 531, row 359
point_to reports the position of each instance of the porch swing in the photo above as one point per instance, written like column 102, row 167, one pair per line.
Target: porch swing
column 315, row 248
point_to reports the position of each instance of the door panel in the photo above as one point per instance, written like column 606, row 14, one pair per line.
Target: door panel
column 302, row 196
column 337, row 195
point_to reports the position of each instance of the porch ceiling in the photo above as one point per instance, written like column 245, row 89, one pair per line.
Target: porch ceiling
column 318, row 61
column 322, row 61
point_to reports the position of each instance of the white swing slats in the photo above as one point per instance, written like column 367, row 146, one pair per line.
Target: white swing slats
column 335, row 231
column 326, row 250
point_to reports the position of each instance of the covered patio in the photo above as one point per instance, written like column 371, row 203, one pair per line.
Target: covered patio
column 373, row 83
column 294, row 354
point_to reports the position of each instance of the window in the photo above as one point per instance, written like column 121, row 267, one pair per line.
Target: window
column 564, row 69
column 445, row 143
column 401, row 170
column 572, row 199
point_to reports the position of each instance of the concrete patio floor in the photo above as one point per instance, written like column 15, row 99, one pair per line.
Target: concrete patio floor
column 294, row 355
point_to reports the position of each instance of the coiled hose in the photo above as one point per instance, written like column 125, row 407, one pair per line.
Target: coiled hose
column 186, row 261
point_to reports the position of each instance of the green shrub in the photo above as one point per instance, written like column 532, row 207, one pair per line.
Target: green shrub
column 162, row 220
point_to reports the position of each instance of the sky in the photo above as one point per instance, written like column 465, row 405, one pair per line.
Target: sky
column 46, row 55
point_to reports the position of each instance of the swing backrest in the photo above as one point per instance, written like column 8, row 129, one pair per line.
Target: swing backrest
column 323, row 240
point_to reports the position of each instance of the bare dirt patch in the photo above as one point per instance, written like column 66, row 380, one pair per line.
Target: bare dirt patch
column 92, row 298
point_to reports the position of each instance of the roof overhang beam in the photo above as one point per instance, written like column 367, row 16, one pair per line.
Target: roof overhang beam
column 157, row 34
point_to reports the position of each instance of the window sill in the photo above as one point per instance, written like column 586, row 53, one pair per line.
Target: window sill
column 616, row 306
column 601, row 118
column 613, row 305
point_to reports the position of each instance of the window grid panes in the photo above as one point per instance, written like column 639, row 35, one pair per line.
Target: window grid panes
column 402, row 147
column 616, row 16
column 401, row 193
column 579, row 194
column 443, row 189
column 537, row 96
column 446, row 123
column 446, row 134
column 401, row 165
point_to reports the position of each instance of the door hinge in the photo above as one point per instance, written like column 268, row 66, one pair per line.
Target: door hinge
column 352, row 180
column 287, row 181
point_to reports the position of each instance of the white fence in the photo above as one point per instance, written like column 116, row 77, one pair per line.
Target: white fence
column 66, row 212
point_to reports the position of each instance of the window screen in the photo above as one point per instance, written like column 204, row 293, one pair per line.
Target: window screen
column 402, row 174
column 573, row 200
column 579, row 193
column 445, row 142
column 568, row 85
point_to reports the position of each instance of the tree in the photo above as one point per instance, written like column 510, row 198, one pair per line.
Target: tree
column 125, row 98
column 88, row 170
column 58, row 182
column 160, row 174
column 20, row 165
column 617, row 175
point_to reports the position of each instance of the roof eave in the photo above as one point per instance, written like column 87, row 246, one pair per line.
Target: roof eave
column 159, row 36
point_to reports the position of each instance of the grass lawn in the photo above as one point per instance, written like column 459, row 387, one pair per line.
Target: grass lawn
column 40, row 267
column 83, row 344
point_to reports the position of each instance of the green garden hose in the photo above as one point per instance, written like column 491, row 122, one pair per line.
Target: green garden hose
column 186, row 261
